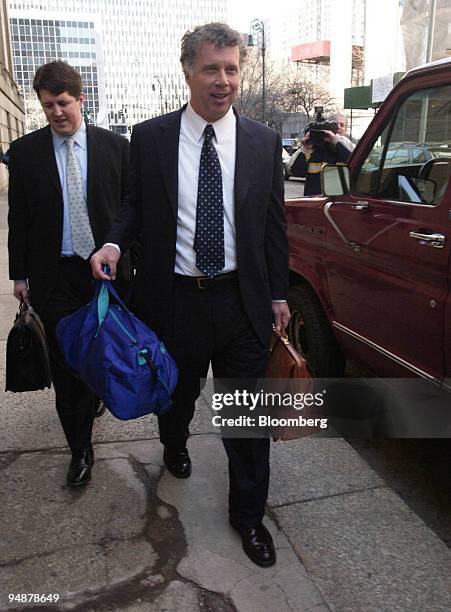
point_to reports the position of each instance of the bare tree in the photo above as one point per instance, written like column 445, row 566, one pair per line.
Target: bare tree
column 288, row 90
column 358, row 65
column 250, row 99
column 302, row 94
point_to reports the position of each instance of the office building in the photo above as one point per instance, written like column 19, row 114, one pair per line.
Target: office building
column 12, row 115
column 323, row 38
column 330, row 43
column 38, row 39
column 135, row 44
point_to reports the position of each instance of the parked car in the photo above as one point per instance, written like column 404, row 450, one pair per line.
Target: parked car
column 408, row 153
column 370, row 264
column 285, row 160
column 289, row 144
column 289, row 166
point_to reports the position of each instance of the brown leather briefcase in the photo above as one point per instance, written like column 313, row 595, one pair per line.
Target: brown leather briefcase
column 286, row 363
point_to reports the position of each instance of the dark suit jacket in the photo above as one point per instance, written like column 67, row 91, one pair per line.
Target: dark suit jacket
column 262, row 252
column 36, row 203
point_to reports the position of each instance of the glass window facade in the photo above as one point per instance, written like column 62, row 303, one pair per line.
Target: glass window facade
column 38, row 41
column 133, row 44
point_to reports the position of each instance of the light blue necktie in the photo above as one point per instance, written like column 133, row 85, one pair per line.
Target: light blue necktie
column 82, row 239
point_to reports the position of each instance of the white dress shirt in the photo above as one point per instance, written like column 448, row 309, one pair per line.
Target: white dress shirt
column 81, row 155
column 190, row 146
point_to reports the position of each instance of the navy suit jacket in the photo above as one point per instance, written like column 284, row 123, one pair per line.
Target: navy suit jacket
column 151, row 210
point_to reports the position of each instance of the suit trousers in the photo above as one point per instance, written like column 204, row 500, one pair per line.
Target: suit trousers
column 211, row 326
column 75, row 403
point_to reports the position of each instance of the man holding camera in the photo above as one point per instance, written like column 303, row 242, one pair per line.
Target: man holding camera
column 324, row 142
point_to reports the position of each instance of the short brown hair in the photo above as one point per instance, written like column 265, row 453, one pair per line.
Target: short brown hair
column 220, row 34
column 58, row 77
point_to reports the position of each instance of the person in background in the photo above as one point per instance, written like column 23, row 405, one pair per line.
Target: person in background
column 309, row 158
column 66, row 183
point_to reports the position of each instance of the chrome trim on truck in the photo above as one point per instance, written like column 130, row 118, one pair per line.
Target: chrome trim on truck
column 384, row 352
column 354, row 246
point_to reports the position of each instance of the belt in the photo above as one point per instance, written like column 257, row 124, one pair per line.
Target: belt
column 70, row 259
column 204, row 282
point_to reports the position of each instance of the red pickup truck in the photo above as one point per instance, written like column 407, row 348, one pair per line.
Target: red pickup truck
column 370, row 260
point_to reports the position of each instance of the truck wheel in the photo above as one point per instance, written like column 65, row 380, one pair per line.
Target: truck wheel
column 310, row 333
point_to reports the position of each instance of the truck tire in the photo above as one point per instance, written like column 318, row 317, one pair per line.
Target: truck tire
column 310, row 334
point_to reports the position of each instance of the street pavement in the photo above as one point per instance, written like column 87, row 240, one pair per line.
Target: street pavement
column 139, row 540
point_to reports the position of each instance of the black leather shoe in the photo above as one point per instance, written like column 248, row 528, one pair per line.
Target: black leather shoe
column 79, row 473
column 177, row 462
column 99, row 408
column 257, row 544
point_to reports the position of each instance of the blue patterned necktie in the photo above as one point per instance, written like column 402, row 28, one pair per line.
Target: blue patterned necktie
column 82, row 239
column 209, row 236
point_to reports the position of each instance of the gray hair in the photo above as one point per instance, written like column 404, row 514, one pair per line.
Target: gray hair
column 220, row 34
column 339, row 115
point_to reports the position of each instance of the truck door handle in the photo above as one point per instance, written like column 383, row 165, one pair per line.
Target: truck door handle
column 434, row 240
column 361, row 205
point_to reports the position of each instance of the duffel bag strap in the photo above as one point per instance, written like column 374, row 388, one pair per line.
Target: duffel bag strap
column 103, row 289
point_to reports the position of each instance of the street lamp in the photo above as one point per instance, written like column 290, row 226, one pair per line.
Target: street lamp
column 257, row 25
column 157, row 79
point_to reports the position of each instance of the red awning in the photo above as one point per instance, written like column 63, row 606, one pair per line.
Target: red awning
column 316, row 52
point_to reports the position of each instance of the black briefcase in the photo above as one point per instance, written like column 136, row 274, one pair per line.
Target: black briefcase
column 27, row 353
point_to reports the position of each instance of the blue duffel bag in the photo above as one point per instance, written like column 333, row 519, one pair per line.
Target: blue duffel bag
column 118, row 357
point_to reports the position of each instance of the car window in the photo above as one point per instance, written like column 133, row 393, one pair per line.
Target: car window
column 400, row 156
column 411, row 160
column 366, row 180
column 419, row 156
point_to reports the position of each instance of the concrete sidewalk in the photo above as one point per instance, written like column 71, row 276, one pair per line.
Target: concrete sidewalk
column 137, row 539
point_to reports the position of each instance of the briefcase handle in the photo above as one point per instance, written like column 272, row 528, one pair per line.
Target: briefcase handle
column 24, row 305
column 278, row 336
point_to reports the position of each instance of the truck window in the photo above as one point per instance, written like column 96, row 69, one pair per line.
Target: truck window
column 411, row 160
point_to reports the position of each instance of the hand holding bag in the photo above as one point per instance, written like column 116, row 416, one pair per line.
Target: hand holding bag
column 118, row 357
column 286, row 363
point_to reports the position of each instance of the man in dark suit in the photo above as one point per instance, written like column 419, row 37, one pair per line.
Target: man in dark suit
column 65, row 187
column 207, row 195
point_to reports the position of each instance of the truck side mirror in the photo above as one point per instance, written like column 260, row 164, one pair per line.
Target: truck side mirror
column 334, row 180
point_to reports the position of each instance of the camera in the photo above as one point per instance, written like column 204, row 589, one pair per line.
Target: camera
column 316, row 129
